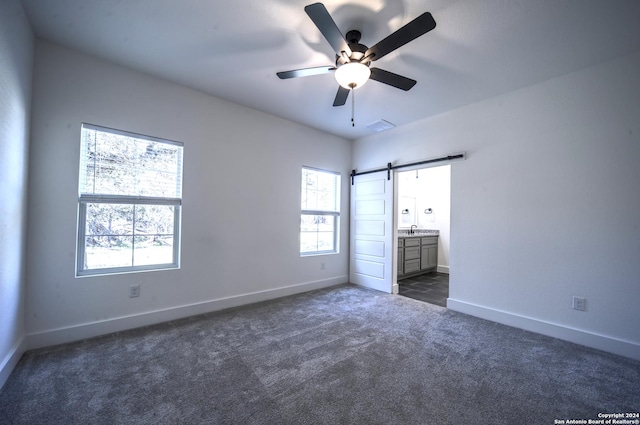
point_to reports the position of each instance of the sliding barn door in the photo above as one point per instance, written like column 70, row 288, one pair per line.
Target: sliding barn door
column 372, row 231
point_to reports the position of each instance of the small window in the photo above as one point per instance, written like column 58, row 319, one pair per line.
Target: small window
column 130, row 194
column 320, row 213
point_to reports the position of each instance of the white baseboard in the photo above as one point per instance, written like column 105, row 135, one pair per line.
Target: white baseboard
column 442, row 269
column 11, row 360
column 103, row 327
column 577, row 336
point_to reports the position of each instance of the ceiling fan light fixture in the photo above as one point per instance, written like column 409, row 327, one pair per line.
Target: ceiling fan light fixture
column 352, row 75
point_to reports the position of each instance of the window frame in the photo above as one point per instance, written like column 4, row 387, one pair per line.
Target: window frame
column 322, row 213
column 85, row 199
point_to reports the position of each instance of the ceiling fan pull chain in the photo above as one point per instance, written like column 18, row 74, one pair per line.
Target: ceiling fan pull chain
column 353, row 106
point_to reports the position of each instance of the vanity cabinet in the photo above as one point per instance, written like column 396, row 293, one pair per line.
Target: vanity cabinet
column 417, row 255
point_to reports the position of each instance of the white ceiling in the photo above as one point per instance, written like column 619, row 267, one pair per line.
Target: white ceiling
column 233, row 49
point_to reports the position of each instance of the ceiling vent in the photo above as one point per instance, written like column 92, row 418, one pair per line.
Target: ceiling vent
column 380, row 125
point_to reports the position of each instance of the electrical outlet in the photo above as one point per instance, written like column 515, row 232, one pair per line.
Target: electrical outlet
column 134, row 290
column 579, row 303
column 321, row 266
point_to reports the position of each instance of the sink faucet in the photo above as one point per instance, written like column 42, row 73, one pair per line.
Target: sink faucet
column 411, row 231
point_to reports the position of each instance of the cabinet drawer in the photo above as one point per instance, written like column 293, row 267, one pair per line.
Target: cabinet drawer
column 412, row 242
column 412, row 253
column 429, row 240
column 411, row 266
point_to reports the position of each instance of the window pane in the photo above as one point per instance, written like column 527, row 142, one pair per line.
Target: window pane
column 325, row 223
column 325, row 241
column 309, row 223
column 326, row 192
column 154, row 219
column 125, row 235
column 108, row 220
column 317, row 233
column 308, row 242
column 319, row 190
column 116, row 164
column 108, row 251
column 152, row 250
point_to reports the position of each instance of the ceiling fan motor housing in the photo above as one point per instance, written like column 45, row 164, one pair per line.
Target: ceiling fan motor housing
column 357, row 50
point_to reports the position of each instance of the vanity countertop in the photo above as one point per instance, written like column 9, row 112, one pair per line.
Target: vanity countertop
column 404, row 233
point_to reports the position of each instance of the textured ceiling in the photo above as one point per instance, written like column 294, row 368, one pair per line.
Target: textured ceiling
column 233, row 49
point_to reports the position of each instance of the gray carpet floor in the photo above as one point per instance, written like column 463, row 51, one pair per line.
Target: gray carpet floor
column 343, row 355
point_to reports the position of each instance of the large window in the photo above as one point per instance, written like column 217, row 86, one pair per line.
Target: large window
column 129, row 202
column 320, row 213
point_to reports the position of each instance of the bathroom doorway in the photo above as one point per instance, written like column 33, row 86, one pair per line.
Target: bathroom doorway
column 423, row 205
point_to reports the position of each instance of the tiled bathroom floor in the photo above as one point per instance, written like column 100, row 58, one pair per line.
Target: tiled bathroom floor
column 431, row 287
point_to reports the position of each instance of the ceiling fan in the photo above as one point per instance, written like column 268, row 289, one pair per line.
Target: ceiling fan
column 353, row 60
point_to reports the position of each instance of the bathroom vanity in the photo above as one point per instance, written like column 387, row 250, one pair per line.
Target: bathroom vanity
column 417, row 252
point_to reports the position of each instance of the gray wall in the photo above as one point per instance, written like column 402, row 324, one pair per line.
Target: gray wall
column 547, row 204
column 241, row 200
column 16, row 53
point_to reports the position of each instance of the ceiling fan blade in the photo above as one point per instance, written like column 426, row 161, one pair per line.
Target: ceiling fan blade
column 325, row 23
column 392, row 79
column 305, row 72
column 414, row 29
column 341, row 96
